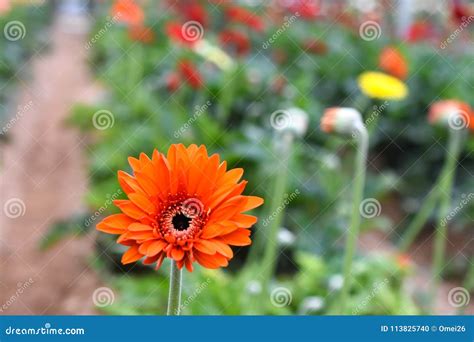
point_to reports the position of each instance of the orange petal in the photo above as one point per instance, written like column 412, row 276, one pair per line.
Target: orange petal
column 223, row 248
column 138, row 227
column 252, row 202
column 205, row 246
column 156, row 247
column 142, row 202
column 239, row 237
column 210, row 261
column 244, row 221
column 216, row 229
column 177, row 254
column 131, row 255
column 118, row 221
column 130, row 209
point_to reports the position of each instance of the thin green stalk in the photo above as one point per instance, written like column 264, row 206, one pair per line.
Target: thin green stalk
column 174, row 298
column 420, row 219
column 226, row 97
column 353, row 233
column 270, row 254
column 445, row 189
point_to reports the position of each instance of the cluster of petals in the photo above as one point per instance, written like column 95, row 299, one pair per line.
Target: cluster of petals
column 186, row 206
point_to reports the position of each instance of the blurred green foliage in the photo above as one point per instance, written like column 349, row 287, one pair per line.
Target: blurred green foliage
column 23, row 35
column 406, row 153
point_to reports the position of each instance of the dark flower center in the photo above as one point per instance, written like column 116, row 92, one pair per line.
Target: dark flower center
column 180, row 221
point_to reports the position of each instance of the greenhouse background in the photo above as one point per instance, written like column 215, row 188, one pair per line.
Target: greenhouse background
column 87, row 84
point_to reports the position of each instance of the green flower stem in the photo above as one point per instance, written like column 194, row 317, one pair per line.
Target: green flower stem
column 445, row 189
column 174, row 298
column 420, row 219
column 270, row 255
column 358, row 193
column 227, row 95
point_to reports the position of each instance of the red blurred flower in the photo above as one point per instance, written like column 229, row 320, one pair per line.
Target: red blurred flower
column 393, row 62
column 315, row 46
column 127, row 11
column 190, row 74
column 236, row 40
column 420, row 30
column 307, row 9
column 279, row 84
column 460, row 12
column 195, row 11
column 141, row 34
column 244, row 16
column 172, row 82
column 177, row 33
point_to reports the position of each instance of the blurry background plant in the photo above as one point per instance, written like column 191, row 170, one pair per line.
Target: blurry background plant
column 23, row 25
column 164, row 68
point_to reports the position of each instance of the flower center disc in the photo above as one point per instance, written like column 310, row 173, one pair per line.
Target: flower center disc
column 180, row 221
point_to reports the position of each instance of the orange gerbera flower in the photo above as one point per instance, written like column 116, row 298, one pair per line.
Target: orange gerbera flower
column 129, row 12
column 185, row 206
column 442, row 111
column 392, row 62
column 141, row 34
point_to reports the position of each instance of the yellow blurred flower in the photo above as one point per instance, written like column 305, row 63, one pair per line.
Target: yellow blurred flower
column 378, row 85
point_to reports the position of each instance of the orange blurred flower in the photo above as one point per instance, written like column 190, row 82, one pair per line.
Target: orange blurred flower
column 403, row 261
column 128, row 11
column 342, row 120
column 185, row 206
column 141, row 34
column 444, row 110
column 5, row 6
column 392, row 62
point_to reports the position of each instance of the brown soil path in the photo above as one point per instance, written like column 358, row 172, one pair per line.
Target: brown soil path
column 43, row 178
